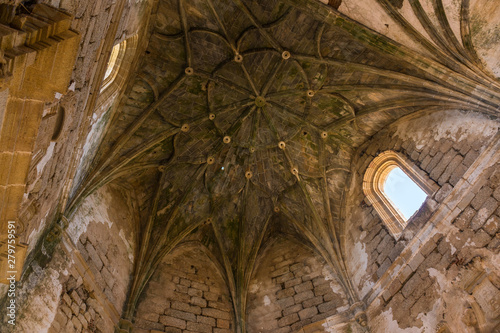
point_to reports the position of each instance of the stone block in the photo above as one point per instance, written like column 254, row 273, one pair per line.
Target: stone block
column 481, row 197
column 457, row 174
column 285, row 293
column 280, row 271
column 198, row 301
column 210, row 296
column 433, row 162
column 199, row 327
column 496, row 193
column 67, row 299
column 215, row 313
column 292, row 309
column 184, row 282
column 384, row 267
column 220, row 305
column 470, row 157
column 463, row 220
column 75, row 308
column 296, row 266
column 481, row 238
column 173, row 322
column 82, row 320
column 484, row 213
column 416, row 261
column 492, row 225
column 187, row 316
column 221, row 323
column 200, row 286
column 319, row 281
column 78, row 325
column 182, row 289
column 313, row 301
column 396, row 250
column 284, row 263
column 452, row 166
column 305, row 295
column 145, row 323
column 308, row 313
column 443, row 192
column 169, row 330
column 288, row 320
column 285, row 277
column 293, row 282
column 108, row 278
column 94, row 256
column 206, row 320
column 286, row 302
column 425, row 162
column 328, row 306
column 494, row 244
column 322, row 316
column 322, row 289
column 303, row 287
column 222, row 330
column 405, row 274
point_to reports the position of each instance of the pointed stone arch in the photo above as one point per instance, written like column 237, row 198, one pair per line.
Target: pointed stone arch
column 374, row 179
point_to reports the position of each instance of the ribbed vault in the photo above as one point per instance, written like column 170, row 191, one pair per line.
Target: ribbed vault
column 242, row 117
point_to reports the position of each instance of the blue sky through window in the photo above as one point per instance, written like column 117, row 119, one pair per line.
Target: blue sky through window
column 403, row 192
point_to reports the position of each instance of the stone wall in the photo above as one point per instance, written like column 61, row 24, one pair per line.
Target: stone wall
column 51, row 166
column 79, row 310
column 83, row 285
column 291, row 288
column 456, row 280
column 185, row 294
column 422, row 277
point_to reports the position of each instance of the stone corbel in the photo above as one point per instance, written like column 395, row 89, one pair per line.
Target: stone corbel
column 359, row 314
column 124, row 326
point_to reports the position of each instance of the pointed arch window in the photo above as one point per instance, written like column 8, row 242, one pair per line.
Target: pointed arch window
column 397, row 189
column 114, row 63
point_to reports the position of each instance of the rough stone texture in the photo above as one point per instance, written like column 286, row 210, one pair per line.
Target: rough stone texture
column 187, row 293
column 291, row 288
column 423, row 290
column 375, row 248
column 244, row 123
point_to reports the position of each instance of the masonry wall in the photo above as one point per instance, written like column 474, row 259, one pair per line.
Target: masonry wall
column 186, row 294
column 291, row 288
column 444, row 146
column 104, row 233
column 48, row 278
column 50, row 168
column 82, row 287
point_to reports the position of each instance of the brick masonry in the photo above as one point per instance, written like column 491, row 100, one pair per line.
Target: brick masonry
column 186, row 294
column 292, row 288
column 417, row 293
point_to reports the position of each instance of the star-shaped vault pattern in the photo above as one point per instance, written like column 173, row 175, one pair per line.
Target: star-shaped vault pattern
column 241, row 119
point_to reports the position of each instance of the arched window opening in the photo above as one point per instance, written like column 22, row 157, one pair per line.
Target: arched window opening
column 397, row 189
column 406, row 196
column 114, row 63
column 112, row 60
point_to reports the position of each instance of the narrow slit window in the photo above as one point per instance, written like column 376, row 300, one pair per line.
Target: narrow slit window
column 405, row 195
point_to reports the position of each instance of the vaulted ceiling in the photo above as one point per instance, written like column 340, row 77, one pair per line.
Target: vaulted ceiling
column 241, row 119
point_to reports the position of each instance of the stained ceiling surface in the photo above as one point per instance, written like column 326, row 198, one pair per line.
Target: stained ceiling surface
column 243, row 116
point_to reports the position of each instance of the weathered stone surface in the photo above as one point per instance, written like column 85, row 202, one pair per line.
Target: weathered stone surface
column 228, row 154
